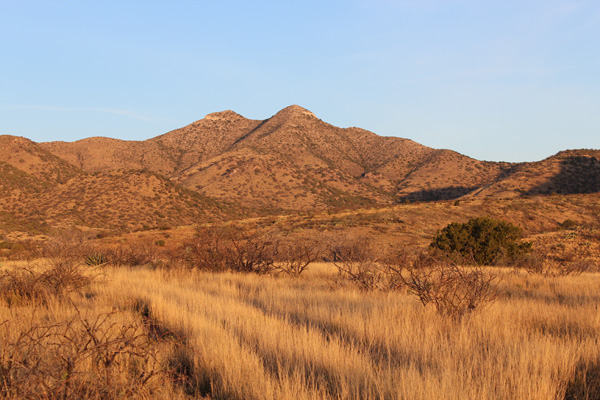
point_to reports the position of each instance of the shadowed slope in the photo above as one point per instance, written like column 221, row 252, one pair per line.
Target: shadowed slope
column 567, row 172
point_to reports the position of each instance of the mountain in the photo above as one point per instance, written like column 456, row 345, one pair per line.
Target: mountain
column 291, row 161
column 40, row 166
column 225, row 166
column 40, row 191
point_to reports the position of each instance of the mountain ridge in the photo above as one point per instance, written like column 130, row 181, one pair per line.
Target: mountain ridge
column 290, row 161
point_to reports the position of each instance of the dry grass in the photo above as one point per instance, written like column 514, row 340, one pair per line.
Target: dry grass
column 62, row 338
column 265, row 337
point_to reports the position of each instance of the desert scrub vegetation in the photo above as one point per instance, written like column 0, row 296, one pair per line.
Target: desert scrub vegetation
column 434, row 277
column 189, row 333
column 231, row 248
column 40, row 283
column 93, row 356
column 453, row 290
column 268, row 337
column 61, row 337
column 486, row 241
column 398, row 326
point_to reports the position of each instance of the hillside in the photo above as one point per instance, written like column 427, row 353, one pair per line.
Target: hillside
column 121, row 200
column 568, row 172
column 291, row 161
column 226, row 166
column 41, row 165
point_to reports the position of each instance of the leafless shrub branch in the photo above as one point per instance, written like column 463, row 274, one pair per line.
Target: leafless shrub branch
column 555, row 267
column 220, row 249
column 295, row 255
column 38, row 284
column 357, row 262
column 85, row 357
column 452, row 289
column 133, row 255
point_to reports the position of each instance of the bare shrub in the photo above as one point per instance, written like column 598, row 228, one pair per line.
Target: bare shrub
column 64, row 276
column 133, row 255
column 92, row 358
column 23, row 284
column 22, row 250
column 554, row 267
column 233, row 249
column 207, row 250
column 296, row 254
column 357, row 262
column 453, row 290
column 38, row 284
column 250, row 251
column 69, row 244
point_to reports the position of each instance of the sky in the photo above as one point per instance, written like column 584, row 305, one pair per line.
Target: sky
column 510, row 80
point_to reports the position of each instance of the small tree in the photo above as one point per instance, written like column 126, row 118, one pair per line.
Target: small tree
column 207, row 250
column 486, row 241
column 251, row 251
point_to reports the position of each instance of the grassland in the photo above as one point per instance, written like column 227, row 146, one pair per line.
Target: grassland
column 244, row 336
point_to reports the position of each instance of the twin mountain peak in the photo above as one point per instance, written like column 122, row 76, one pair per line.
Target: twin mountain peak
column 295, row 161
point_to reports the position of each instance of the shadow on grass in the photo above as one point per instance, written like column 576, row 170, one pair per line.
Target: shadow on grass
column 585, row 383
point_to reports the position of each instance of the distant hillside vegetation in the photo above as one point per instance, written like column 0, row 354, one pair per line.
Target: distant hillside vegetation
column 226, row 166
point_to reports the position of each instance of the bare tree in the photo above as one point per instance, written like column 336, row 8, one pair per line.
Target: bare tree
column 357, row 261
column 207, row 250
column 296, row 254
column 251, row 251
column 232, row 248
column 436, row 280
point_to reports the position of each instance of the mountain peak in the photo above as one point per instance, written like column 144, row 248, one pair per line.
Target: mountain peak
column 223, row 115
column 295, row 111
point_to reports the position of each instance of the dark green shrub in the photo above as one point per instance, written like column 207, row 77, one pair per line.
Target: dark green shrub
column 486, row 241
column 569, row 224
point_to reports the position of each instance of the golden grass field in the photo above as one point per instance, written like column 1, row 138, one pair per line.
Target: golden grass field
column 245, row 336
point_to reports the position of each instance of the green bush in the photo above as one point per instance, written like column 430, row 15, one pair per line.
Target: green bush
column 568, row 224
column 486, row 241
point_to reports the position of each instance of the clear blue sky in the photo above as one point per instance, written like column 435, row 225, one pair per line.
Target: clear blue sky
column 511, row 80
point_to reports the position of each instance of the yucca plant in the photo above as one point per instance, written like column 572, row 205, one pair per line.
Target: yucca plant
column 96, row 259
